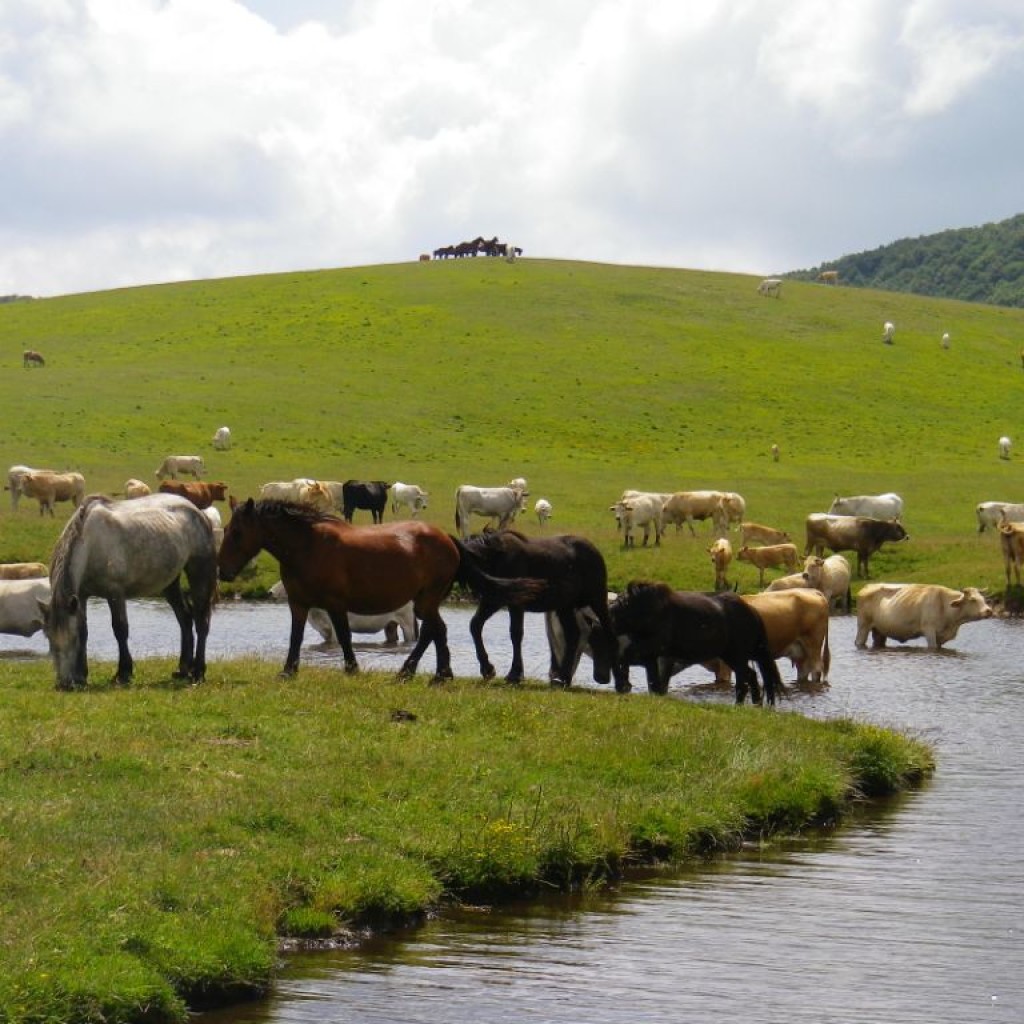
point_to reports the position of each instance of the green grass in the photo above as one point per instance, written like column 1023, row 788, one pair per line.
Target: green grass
column 587, row 379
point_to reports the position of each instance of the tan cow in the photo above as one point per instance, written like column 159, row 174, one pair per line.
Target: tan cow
column 721, row 556
column 771, row 556
column 1011, row 541
column 832, row 577
column 906, row 611
column 756, row 533
column 135, row 488
column 199, row 492
column 48, row 488
column 23, row 570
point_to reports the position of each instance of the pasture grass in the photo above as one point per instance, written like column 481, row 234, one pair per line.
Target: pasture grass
column 585, row 378
column 156, row 840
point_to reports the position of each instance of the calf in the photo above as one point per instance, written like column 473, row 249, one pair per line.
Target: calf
column 200, row 493
column 136, row 488
column 755, row 533
column 771, row 556
column 412, row 497
column 222, row 439
column 172, row 465
column 542, row 508
column 721, row 556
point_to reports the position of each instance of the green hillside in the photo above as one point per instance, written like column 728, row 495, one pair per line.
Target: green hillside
column 980, row 264
column 586, row 379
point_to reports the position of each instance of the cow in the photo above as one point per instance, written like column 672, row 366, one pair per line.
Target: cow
column 877, row 506
column 302, row 490
column 888, row 332
column 770, row 286
column 721, row 556
column 769, row 556
column 906, row 611
column 412, row 497
column 32, row 358
column 134, row 488
column 794, row 581
column 989, row 513
column 1011, row 542
column 945, row 340
column 48, row 488
column 831, row 576
column 200, row 493
column 639, row 511
column 217, row 523
column 518, row 483
column 14, row 478
column 756, row 533
column 721, row 507
column 851, row 533
column 172, row 465
column 542, row 509
column 829, row 277
column 501, row 503
column 1004, row 447
column 775, row 452
column 22, row 606
column 366, row 494
column 22, row 570
column 222, row 439
column 403, row 619
column 796, row 624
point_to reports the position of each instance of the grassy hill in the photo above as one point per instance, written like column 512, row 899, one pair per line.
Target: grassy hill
column 584, row 378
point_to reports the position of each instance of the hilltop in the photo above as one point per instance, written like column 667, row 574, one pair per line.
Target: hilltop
column 585, row 378
column 977, row 264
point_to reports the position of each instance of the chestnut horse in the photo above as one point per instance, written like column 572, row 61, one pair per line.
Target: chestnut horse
column 331, row 564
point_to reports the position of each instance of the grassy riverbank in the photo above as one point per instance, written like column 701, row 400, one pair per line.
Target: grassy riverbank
column 154, row 841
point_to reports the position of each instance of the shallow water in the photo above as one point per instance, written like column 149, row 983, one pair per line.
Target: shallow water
column 913, row 913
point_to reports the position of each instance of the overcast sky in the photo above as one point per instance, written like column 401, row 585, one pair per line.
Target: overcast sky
column 158, row 140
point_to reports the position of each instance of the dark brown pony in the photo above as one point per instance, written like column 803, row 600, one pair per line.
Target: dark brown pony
column 32, row 358
column 330, row 564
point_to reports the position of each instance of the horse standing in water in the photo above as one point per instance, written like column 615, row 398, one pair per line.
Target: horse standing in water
column 118, row 550
column 576, row 578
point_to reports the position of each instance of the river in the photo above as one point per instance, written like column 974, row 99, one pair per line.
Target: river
column 914, row 912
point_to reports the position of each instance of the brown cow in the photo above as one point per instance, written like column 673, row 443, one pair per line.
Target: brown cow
column 202, row 494
column 851, row 533
column 1011, row 540
column 48, row 488
column 23, row 570
column 771, row 556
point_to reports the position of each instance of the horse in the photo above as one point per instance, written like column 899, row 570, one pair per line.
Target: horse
column 331, row 564
column 118, row 550
column 665, row 626
column 576, row 578
column 32, row 358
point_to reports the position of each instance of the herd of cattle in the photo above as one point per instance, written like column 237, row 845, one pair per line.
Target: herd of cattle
column 793, row 610
column 478, row 246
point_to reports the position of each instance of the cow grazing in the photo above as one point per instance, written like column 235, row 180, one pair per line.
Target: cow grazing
column 14, row 478
column 302, row 490
column 888, row 332
column 222, row 439
column 32, row 358
column 877, row 506
column 501, row 503
column 775, row 452
column 371, row 495
column 412, row 497
column 22, row 570
column 666, row 630
column 989, row 513
column 756, row 533
column 1004, row 447
column 906, row 611
column 851, row 533
column 542, row 509
column 200, row 493
column 48, row 488
column 770, row 286
column 173, row 465
column 721, row 556
column 639, row 511
column 832, row 577
column 829, row 277
column 769, row 556
column 402, row 619
column 22, row 605
column 945, row 340
column 134, row 488
column 721, row 507
column 1011, row 543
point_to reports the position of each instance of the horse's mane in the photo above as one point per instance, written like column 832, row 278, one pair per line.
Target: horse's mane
column 492, row 540
column 60, row 561
column 294, row 510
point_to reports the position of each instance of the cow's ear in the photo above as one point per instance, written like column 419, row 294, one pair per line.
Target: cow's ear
column 958, row 600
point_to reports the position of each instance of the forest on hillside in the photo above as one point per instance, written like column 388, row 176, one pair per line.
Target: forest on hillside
column 981, row 264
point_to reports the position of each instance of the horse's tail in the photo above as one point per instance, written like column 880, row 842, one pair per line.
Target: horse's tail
column 504, row 591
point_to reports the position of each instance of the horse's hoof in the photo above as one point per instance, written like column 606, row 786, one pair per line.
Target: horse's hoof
column 515, row 678
column 487, row 672
column 351, row 667
column 623, row 688
column 559, row 684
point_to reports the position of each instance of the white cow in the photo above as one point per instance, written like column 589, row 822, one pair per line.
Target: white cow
column 832, row 577
column 906, row 611
column 543, row 509
column 175, row 464
column 519, row 483
column 14, row 478
column 414, row 498
column 222, row 439
column 637, row 510
column 877, row 506
column 1004, row 447
column 21, row 605
column 403, row 619
column 888, row 332
column 945, row 340
column 990, row 512
column 303, row 490
column 502, row 503
column 134, row 488
column 216, row 522
column 770, row 286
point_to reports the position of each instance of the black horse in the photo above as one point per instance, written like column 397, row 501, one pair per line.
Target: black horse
column 667, row 630
column 577, row 578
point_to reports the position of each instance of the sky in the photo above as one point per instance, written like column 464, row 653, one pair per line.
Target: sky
column 147, row 141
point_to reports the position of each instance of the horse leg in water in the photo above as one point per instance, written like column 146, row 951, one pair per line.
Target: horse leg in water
column 291, row 661
column 515, row 634
column 119, row 623
column 343, row 631
column 746, row 678
column 432, row 630
column 176, row 599
column 476, row 629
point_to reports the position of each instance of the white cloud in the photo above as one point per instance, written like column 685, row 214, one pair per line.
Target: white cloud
column 160, row 139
